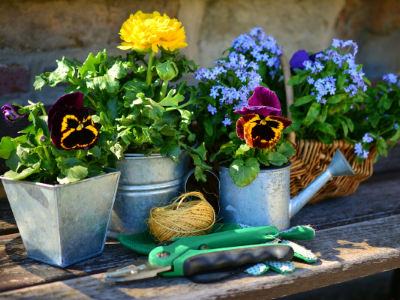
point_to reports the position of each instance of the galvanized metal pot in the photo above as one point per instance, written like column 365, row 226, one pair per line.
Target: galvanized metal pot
column 263, row 202
column 145, row 182
column 266, row 201
column 63, row 224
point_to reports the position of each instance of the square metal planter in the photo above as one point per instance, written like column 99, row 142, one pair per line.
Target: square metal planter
column 63, row 224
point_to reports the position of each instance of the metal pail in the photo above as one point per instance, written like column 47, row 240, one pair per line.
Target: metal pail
column 63, row 224
column 146, row 182
column 264, row 202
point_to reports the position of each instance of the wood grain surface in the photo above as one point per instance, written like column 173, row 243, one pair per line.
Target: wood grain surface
column 344, row 253
column 17, row 270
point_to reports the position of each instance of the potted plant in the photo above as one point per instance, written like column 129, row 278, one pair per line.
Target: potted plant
column 144, row 120
column 329, row 92
column 255, row 163
column 253, row 60
column 59, row 190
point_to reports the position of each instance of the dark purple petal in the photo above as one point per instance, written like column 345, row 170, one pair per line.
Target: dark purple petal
column 69, row 100
column 298, row 59
column 313, row 57
column 260, row 110
column 11, row 113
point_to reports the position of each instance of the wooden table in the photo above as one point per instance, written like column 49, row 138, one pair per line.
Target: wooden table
column 356, row 236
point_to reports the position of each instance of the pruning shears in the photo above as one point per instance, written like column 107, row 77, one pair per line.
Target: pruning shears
column 187, row 256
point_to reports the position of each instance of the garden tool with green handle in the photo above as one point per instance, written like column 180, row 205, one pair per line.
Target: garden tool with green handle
column 187, row 256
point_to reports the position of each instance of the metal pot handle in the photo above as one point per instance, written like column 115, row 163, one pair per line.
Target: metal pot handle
column 192, row 171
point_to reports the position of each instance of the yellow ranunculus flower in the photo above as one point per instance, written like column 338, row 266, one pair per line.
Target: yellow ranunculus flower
column 144, row 31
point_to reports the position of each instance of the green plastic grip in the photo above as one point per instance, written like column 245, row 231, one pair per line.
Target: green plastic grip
column 186, row 247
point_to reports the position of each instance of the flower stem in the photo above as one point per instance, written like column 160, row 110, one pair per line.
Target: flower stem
column 93, row 102
column 43, row 110
column 164, row 88
column 49, row 159
column 149, row 76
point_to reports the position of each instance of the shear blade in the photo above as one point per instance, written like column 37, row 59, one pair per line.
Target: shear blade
column 139, row 269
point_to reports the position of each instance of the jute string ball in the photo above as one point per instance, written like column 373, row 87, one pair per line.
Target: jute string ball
column 182, row 218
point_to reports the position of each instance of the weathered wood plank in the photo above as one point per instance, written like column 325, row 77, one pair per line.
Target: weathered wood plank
column 17, row 270
column 345, row 253
column 7, row 221
column 375, row 198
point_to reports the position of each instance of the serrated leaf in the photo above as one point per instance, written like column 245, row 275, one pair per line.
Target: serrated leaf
column 39, row 83
column 104, row 83
column 171, row 148
column 243, row 173
column 92, row 63
column 61, row 74
column 117, row 70
column 171, row 100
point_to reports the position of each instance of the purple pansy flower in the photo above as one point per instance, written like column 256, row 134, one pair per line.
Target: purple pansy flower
column 263, row 102
column 11, row 113
column 297, row 60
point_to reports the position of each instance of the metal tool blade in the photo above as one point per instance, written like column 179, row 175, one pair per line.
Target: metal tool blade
column 139, row 269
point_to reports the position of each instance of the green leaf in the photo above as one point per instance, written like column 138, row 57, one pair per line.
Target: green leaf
column 304, row 100
column 286, row 148
column 336, row 98
column 94, row 171
column 243, row 173
column 324, row 138
column 172, row 149
column 112, row 108
column 25, row 173
column 242, row 149
column 394, row 138
column 381, row 147
column 312, row 113
column 208, row 126
column 61, row 74
column 344, row 126
column 103, row 83
column 349, row 123
column 341, row 80
column 199, row 174
column 73, row 174
column 134, row 87
column 117, row 70
column 264, row 159
column 325, row 127
column 95, row 151
column 297, row 79
column 39, row 82
column 366, row 80
column 118, row 149
column 7, row 145
column 92, row 64
column 277, row 159
column 171, row 100
column 201, row 150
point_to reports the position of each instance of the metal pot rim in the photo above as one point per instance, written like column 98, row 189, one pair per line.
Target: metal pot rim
column 272, row 169
column 153, row 155
column 112, row 171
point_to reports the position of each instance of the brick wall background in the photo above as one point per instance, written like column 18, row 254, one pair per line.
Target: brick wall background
column 34, row 33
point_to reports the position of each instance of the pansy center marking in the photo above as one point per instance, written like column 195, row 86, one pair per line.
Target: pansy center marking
column 77, row 134
column 260, row 132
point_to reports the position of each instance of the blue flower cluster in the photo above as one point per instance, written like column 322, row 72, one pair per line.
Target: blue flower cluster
column 326, row 85
column 358, row 148
column 249, row 51
column 391, row 79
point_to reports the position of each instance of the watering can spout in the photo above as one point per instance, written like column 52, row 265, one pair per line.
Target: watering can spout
column 338, row 167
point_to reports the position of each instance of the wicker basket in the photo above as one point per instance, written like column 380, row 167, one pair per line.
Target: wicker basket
column 312, row 157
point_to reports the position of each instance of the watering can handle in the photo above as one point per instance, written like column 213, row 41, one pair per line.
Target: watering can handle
column 192, row 171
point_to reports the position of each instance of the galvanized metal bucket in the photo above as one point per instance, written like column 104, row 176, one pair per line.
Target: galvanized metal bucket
column 146, row 182
column 63, row 224
column 263, row 202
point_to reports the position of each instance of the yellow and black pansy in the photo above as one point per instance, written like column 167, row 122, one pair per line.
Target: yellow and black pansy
column 71, row 125
column 260, row 132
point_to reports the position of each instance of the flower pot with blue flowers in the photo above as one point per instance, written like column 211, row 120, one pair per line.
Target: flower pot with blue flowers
column 330, row 95
column 142, row 118
column 59, row 188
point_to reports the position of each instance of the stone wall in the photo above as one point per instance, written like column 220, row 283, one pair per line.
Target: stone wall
column 34, row 33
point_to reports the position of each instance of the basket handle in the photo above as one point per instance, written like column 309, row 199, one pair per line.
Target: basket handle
column 289, row 92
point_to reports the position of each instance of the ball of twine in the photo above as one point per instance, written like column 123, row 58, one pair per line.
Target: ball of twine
column 181, row 218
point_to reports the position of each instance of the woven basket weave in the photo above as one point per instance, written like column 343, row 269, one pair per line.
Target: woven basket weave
column 312, row 157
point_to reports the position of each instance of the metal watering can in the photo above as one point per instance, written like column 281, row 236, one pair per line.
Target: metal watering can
column 266, row 201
